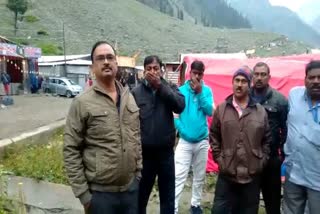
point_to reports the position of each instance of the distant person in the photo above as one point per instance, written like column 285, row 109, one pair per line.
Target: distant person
column 2, row 93
column 240, row 139
column 302, row 148
column 40, row 80
column 89, row 83
column 102, row 148
column 276, row 106
column 33, row 83
column 193, row 145
column 6, row 80
column 157, row 100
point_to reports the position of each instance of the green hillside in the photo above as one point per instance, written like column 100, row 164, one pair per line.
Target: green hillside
column 133, row 25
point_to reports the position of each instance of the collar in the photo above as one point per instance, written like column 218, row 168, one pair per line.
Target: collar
column 307, row 98
column 120, row 89
column 251, row 103
column 267, row 94
column 236, row 105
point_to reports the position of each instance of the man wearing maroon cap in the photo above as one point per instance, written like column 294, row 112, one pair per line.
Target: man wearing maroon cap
column 240, row 138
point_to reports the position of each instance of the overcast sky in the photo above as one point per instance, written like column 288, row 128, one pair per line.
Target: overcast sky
column 292, row 4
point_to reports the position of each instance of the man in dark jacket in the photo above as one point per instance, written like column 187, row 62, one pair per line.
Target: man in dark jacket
column 157, row 101
column 276, row 106
column 240, row 139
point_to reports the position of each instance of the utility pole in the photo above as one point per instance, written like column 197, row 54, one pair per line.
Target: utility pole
column 64, row 50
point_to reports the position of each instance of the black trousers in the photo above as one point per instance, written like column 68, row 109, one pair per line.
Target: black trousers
column 271, row 185
column 235, row 198
column 115, row 202
column 158, row 162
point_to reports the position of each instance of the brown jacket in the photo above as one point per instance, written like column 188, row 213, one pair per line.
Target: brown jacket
column 240, row 146
column 102, row 148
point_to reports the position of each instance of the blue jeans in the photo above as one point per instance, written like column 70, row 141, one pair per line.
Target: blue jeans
column 297, row 199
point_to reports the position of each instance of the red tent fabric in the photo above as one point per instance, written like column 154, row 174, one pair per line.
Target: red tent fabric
column 286, row 72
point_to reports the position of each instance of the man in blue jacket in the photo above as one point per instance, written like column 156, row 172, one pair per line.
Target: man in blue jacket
column 302, row 148
column 192, row 149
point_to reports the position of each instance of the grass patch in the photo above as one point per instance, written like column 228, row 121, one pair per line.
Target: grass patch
column 31, row 18
column 40, row 162
column 20, row 41
column 50, row 49
column 3, row 205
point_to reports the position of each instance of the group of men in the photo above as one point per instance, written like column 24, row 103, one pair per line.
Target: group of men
column 118, row 141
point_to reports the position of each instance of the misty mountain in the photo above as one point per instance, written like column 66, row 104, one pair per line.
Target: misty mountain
column 206, row 12
column 316, row 24
column 309, row 11
column 265, row 17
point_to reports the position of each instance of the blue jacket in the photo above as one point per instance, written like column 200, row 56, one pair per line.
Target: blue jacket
column 192, row 122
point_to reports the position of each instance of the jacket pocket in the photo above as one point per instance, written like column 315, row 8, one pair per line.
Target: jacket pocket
column 106, row 165
column 255, row 132
column 89, row 162
column 132, row 115
column 132, row 124
column 99, row 122
column 227, row 165
column 257, row 162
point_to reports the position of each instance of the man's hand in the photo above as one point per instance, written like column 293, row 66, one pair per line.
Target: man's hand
column 195, row 84
column 153, row 79
column 86, row 207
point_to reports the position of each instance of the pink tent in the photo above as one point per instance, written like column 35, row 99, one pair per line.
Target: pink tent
column 286, row 72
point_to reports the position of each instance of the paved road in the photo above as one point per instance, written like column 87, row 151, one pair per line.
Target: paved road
column 30, row 112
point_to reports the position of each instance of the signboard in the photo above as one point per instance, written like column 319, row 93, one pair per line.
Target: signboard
column 32, row 52
column 8, row 49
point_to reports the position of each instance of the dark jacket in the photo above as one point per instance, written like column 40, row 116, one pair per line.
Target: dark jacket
column 156, row 113
column 240, row 146
column 276, row 106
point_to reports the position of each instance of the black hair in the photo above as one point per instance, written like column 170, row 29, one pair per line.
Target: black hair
column 150, row 59
column 262, row 64
column 94, row 47
column 197, row 65
column 313, row 64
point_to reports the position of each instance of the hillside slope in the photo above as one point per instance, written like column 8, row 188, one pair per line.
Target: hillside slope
column 133, row 26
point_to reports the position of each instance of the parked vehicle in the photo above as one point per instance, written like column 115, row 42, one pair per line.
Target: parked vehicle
column 61, row 86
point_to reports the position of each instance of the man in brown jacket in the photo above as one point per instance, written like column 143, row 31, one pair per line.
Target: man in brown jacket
column 102, row 148
column 240, row 138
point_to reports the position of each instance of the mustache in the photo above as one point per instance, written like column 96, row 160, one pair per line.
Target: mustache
column 316, row 86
